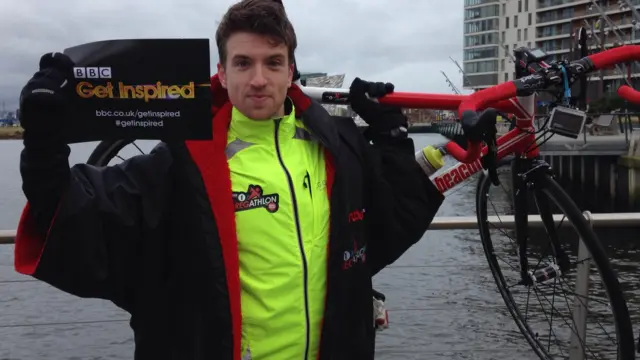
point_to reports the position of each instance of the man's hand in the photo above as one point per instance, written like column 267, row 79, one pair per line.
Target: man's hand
column 44, row 100
column 386, row 123
column 44, row 162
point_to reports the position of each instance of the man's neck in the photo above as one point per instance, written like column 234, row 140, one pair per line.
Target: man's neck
column 285, row 109
column 280, row 113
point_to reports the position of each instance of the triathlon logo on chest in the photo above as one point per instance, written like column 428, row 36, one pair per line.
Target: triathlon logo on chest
column 255, row 198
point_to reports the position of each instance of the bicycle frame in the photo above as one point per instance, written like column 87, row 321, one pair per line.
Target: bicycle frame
column 519, row 141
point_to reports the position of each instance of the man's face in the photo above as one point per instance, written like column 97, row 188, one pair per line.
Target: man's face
column 256, row 75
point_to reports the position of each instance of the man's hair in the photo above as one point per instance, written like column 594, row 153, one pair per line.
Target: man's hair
column 262, row 17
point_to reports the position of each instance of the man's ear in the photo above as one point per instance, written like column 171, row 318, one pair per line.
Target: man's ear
column 291, row 69
column 222, row 75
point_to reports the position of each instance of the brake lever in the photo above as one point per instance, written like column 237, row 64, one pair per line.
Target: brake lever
column 490, row 160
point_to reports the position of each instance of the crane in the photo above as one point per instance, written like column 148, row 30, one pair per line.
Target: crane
column 451, row 85
column 465, row 81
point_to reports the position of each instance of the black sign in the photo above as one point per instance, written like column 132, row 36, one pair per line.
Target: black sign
column 141, row 89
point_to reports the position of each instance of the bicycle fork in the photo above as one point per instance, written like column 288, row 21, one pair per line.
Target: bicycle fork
column 524, row 173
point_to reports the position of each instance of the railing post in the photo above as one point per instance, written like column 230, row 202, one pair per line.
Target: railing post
column 580, row 306
column 624, row 123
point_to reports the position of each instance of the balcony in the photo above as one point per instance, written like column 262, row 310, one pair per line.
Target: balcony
column 583, row 12
column 481, row 67
column 481, row 26
column 552, row 32
column 484, row 53
column 474, row 3
column 555, row 48
column 481, row 12
column 559, row 4
column 555, row 16
column 480, row 81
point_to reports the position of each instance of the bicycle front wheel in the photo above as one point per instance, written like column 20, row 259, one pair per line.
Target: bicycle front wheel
column 535, row 305
column 107, row 151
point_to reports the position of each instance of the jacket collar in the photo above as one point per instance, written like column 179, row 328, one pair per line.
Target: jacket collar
column 314, row 116
column 262, row 131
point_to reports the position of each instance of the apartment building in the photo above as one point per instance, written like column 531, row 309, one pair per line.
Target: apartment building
column 481, row 43
column 546, row 24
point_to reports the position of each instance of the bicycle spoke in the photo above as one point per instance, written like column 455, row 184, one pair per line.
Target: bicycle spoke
column 137, row 147
column 575, row 327
column 579, row 298
column 552, row 331
column 551, row 322
column 548, row 318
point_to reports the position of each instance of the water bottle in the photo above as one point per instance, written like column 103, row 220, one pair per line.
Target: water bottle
column 430, row 159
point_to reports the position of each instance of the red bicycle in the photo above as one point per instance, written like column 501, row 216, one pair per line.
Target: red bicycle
column 535, row 267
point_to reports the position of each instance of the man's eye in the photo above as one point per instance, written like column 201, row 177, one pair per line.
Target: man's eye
column 242, row 63
column 275, row 63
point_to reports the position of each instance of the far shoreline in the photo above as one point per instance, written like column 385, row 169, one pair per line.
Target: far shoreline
column 11, row 133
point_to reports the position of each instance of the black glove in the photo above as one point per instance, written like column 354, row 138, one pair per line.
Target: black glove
column 44, row 102
column 386, row 123
column 44, row 162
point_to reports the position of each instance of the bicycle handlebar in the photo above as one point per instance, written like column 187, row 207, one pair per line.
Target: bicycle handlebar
column 467, row 111
column 469, row 104
column 630, row 94
column 412, row 100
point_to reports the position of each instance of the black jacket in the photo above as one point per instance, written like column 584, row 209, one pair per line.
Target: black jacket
column 143, row 234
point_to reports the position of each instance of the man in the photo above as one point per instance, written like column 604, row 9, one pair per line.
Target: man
column 259, row 244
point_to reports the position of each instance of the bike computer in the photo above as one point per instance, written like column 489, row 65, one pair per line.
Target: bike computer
column 531, row 55
column 566, row 121
column 537, row 54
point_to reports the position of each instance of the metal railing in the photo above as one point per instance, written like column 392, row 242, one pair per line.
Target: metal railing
column 507, row 222
column 471, row 222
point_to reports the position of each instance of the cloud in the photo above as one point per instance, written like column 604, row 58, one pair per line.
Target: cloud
column 406, row 42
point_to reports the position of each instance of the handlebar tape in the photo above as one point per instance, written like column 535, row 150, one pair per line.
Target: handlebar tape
column 615, row 56
column 420, row 100
column 485, row 97
column 630, row 94
column 469, row 106
column 467, row 112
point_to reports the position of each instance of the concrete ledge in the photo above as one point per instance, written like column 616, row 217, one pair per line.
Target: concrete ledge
column 595, row 145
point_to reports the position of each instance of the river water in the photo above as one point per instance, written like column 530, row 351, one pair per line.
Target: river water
column 441, row 294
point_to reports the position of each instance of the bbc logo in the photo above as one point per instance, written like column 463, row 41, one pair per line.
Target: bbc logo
column 92, row 72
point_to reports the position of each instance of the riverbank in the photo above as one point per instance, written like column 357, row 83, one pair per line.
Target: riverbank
column 10, row 132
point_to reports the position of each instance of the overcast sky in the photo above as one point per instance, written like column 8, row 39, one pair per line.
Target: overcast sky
column 407, row 42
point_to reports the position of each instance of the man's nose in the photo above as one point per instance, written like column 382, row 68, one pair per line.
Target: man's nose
column 259, row 79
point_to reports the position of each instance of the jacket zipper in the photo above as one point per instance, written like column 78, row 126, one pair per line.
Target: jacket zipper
column 299, row 233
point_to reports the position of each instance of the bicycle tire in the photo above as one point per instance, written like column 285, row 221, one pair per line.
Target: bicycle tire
column 624, row 330
column 106, row 150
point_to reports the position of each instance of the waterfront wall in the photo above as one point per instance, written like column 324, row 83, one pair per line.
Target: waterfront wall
column 603, row 175
column 608, row 167
column 614, row 176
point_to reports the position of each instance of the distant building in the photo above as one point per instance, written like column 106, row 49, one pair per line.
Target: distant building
column 8, row 118
column 310, row 75
column 494, row 28
column 332, row 81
